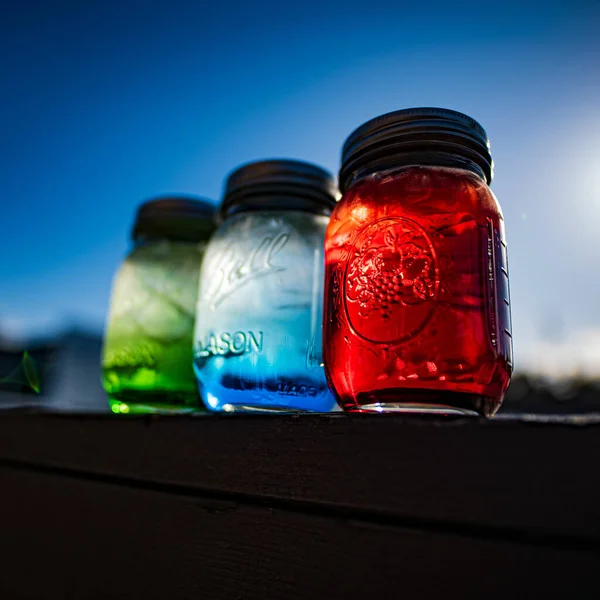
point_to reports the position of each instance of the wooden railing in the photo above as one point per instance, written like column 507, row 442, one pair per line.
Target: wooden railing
column 323, row 506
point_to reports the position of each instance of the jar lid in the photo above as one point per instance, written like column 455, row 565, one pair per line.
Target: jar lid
column 279, row 184
column 435, row 136
column 182, row 218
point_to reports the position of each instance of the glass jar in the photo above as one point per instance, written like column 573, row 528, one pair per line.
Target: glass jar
column 417, row 308
column 257, row 345
column 147, row 356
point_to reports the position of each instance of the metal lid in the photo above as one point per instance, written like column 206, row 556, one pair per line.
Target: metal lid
column 183, row 218
column 435, row 136
column 279, row 184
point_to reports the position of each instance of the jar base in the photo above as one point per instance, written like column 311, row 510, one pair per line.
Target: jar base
column 145, row 403
column 421, row 402
column 246, row 395
column 406, row 408
column 239, row 408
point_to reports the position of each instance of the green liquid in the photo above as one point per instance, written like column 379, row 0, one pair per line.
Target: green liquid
column 147, row 361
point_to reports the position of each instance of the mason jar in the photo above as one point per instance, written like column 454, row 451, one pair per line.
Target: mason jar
column 257, row 343
column 417, row 311
column 147, row 356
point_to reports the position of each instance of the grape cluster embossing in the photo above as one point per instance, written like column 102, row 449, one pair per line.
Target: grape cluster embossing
column 393, row 268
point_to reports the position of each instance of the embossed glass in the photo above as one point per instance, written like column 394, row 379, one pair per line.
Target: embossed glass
column 147, row 357
column 417, row 310
column 257, row 345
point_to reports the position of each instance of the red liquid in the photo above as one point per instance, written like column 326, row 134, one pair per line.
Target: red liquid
column 417, row 313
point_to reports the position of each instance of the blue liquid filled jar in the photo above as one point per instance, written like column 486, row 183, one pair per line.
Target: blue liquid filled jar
column 257, row 341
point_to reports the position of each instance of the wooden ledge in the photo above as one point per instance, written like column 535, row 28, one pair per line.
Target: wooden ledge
column 303, row 490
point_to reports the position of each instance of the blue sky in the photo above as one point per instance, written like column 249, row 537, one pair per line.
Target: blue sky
column 105, row 104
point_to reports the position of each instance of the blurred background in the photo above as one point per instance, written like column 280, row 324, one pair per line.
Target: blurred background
column 106, row 104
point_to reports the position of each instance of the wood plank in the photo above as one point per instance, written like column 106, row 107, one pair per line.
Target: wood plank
column 68, row 538
column 505, row 479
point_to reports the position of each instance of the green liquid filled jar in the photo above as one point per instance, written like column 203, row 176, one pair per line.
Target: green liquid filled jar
column 147, row 356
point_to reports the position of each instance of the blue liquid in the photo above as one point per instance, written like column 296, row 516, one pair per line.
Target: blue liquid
column 271, row 374
column 232, row 393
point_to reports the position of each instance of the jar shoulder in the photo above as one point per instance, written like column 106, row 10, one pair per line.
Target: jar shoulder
column 156, row 252
column 248, row 228
column 417, row 191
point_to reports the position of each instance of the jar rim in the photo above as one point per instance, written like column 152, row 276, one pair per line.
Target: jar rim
column 175, row 217
column 431, row 133
column 279, row 184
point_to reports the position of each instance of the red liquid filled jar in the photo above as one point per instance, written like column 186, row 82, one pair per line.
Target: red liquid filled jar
column 417, row 306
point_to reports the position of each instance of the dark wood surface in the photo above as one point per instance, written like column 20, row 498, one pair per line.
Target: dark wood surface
column 297, row 507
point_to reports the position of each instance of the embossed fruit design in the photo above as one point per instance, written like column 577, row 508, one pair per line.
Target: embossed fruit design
column 393, row 269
